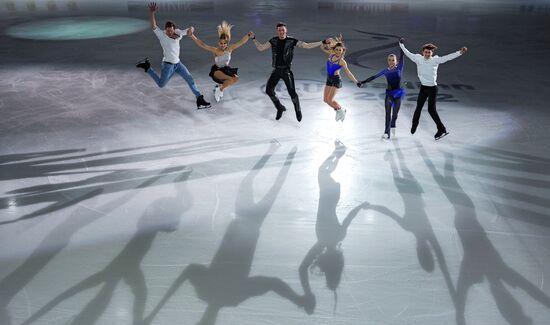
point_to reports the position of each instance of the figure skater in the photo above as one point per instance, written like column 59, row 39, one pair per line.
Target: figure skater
column 394, row 91
column 221, row 72
column 336, row 50
column 171, row 64
column 426, row 65
column 282, row 51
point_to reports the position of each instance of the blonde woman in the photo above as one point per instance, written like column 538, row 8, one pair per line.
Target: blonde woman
column 336, row 50
column 221, row 72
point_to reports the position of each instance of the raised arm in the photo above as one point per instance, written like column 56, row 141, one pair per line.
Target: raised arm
column 261, row 46
column 200, row 43
column 411, row 56
column 350, row 75
column 452, row 56
column 241, row 42
column 152, row 8
column 401, row 63
column 305, row 45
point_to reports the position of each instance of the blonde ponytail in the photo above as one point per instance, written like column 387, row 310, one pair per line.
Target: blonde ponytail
column 224, row 30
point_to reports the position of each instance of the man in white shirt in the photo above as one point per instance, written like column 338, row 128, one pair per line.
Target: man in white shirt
column 171, row 64
column 426, row 65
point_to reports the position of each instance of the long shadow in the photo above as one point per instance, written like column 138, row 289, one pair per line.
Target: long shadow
column 481, row 259
column 33, row 155
column 513, row 167
column 415, row 220
column 54, row 243
column 163, row 215
column 326, row 253
column 226, row 282
column 66, row 194
column 104, row 184
column 60, row 165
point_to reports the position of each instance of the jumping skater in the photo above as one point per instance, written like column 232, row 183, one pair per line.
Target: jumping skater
column 394, row 91
column 221, row 72
column 336, row 50
column 427, row 65
column 282, row 49
column 171, row 64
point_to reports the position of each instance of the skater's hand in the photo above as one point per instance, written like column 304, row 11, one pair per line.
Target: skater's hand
column 463, row 50
column 152, row 6
column 251, row 34
column 401, row 40
column 360, row 84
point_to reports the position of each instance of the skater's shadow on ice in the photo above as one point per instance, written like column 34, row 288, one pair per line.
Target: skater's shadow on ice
column 226, row 282
column 163, row 215
column 65, row 194
column 326, row 254
column 481, row 259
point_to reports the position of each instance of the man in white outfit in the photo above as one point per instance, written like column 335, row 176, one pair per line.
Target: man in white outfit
column 426, row 65
column 171, row 64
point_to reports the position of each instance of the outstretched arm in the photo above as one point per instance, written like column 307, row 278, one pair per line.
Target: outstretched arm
column 371, row 78
column 152, row 8
column 451, row 56
column 352, row 214
column 261, row 46
column 241, row 42
column 350, row 75
column 200, row 43
column 305, row 45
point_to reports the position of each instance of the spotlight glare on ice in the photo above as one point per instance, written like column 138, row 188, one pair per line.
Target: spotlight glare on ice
column 77, row 28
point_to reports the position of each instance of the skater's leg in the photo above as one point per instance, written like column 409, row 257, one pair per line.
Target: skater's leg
column 422, row 96
column 396, row 107
column 288, row 78
column 388, row 102
column 227, row 80
column 270, row 89
column 166, row 74
column 432, row 99
column 186, row 75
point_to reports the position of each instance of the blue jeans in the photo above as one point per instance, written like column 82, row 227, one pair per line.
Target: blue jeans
column 168, row 71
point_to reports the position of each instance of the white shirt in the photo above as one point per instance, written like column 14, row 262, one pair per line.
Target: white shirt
column 170, row 46
column 427, row 68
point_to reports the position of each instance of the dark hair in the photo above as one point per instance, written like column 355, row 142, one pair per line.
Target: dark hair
column 169, row 24
column 281, row 24
column 429, row 46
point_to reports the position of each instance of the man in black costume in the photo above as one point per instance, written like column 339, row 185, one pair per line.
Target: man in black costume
column 282, row 48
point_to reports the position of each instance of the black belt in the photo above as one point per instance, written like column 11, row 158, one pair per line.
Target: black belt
column 168, row 62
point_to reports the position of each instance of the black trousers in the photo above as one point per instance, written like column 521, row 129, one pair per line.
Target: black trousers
column 429, row 93
column 288, row 77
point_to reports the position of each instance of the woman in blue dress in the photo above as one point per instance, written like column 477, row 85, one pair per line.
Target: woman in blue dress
column 394, row 91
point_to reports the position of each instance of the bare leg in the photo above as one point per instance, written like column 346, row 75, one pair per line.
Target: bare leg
column 331, row 94
column 326, row 97
column 227, row 80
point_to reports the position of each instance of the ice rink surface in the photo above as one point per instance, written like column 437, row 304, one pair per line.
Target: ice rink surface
column 121, row 203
